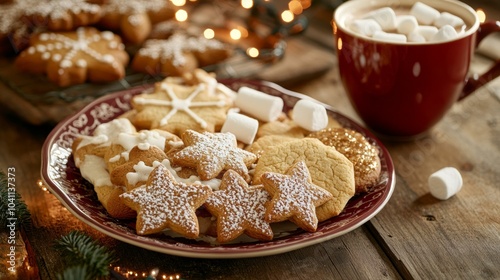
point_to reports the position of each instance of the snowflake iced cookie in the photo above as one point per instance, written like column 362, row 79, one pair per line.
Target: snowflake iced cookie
column 164, row 203
column 294, row 197
column 134, row 19
column 62, row 15
column 212, row 153
column 239, row 208
column 178, row 55
column 176, row 108
column 69, row 58
column 329, row 170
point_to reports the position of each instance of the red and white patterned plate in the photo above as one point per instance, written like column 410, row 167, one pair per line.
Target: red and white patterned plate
column 64, row 180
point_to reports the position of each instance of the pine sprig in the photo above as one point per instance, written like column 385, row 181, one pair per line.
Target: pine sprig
column 8, row 198
column 82, row 252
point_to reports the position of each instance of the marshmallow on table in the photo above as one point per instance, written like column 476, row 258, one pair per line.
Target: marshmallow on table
column 446, row 18
column 310, row 115
column 365, row 26
column 424, row 14
column 389, row 37
column 445, row 33
column 386, row 18
column 243, row 127
column 445, row 183
column 406, row 24
column 263, row 106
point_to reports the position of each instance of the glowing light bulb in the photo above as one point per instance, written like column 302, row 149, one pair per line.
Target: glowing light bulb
column 253, row 52
column 247, row 4
column 181, row 15
column 295, row 7
column 287, row 16
column 482, row 15
column 179, row 3
column 235, row 34
column 209, row 33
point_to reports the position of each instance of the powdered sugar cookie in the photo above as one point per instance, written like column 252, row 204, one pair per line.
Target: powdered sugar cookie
column 358, row 150
column 239, row 209
column 164, row 203
column 294, row 197
column 176, row 108
column 212, row 153
column 179, row 54
column 329, row 170
column 70, row 58
column 62, row 15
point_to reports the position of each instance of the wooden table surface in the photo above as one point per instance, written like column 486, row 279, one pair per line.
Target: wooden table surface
column 415, row 236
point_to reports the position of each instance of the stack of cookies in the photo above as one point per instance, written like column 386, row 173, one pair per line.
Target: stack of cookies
column 79, row 41
column 188, row 160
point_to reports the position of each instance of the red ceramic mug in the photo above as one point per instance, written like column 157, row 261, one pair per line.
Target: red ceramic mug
column 401, row 90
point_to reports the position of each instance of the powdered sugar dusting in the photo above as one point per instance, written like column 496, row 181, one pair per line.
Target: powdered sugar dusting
column 163, row 203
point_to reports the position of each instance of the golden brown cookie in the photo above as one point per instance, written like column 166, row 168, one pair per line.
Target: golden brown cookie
column 163, row 203
column 261, row 145
column 212, row 153
column 239, row 209
column 70, row 58
column 176, row 108
column 294, row 197
column 62, row 15
column 134, row 19
column 363, row 155
column 284, row 128
column 329, row 170
column 179, row 54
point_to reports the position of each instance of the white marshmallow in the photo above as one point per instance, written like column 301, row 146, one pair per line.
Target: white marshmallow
column 445, row 33
column 386, row 18
column 446, row 18
column 389, row 37
column 445, row 183
column 416, row 37
column 260, row 105
column 425, row 14
column 243, row 127
column 310, row 115
column 406, row 24
column 427, row 31
column 365, row 26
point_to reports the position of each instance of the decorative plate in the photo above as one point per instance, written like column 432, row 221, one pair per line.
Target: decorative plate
column 64, row 180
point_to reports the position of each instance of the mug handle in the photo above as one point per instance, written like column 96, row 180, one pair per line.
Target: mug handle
column 475, row 82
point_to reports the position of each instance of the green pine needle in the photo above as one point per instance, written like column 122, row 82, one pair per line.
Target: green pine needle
column 11, row 204
column 79, row 272
column 79, row 249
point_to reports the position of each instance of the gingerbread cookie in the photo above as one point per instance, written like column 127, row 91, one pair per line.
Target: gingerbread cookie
column 134, row 19
column 294, row 197
column 363, row 155
column 70, row 58
column 14, row 33
column 329, row 170
column 212, row 153
column 179, row 54
column 164, row 203
column 62, row 15
column 176, row 108
column 239, row 209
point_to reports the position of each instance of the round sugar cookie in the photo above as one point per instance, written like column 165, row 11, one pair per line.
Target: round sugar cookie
column 329, row 170
column 363, row 155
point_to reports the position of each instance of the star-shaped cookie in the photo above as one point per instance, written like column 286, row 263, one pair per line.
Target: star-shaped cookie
column 294, row 197
column 211, row 153
column 239, row 209
column 164, row 203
